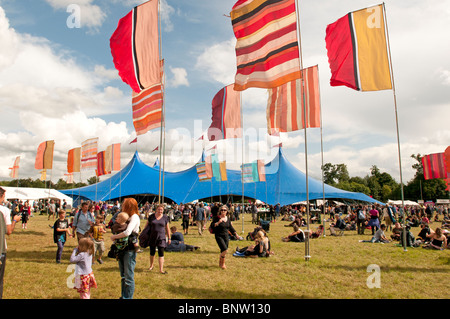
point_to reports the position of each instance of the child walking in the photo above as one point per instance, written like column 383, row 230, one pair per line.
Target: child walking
column 61, row 230
column 84, row 276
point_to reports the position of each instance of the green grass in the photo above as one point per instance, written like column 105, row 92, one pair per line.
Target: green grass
column 337, row 269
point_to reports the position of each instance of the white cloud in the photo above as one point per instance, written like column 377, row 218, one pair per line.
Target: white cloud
column 179, row 77
column 91, row 15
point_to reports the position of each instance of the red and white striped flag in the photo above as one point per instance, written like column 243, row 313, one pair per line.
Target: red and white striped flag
column 89, row 154
column 267, row 53
column 147, row 109
column 285, row 104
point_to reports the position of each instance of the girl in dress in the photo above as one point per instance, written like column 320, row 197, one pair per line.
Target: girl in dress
column 84, row 276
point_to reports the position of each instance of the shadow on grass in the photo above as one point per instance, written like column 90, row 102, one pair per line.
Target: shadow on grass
column 214, row 293
column 400, row 269
column 20, row 233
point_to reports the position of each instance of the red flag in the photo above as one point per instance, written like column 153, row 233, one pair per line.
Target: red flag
column 285, row 104
column 135, row 47
column 101, row 163
column 157, row 148
column 357, row 50
column 434, row 166
column 226, row 115
column 133, row 141
column 267, row 53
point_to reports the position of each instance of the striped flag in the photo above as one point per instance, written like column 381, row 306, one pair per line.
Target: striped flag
column 44, row 156
column 261, row 171
column 226, row 115
column 74, row 160
column 15, row 169
column 357, row 50
column 267, row 53
column 434, row 166
column 201, row 172
column 285, row 104
column 89, row 154
column 101, row 164
column 247, row 172
column 112, row 158
column 147, row 109
column 135, row 47
column 69, row 179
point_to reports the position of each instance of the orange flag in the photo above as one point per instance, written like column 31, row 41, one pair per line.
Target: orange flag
column 44, row 156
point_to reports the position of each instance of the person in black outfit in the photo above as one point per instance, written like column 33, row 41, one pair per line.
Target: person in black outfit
column 221, row 227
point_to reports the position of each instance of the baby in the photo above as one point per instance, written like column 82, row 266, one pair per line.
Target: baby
column 119, row 226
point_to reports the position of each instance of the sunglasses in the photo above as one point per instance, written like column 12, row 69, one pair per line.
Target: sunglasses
column 223, row 210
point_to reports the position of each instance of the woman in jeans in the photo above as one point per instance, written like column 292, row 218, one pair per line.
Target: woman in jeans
column 127, row 258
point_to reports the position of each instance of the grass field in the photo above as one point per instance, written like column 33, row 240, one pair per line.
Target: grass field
column 338, row 269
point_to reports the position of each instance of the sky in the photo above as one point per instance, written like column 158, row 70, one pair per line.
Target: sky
column 58, row 82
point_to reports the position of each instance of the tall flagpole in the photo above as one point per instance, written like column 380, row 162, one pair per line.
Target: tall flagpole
column 162, row 112
column 307, row 254
column 242, row 166
column 321, row 153
column 398, row 134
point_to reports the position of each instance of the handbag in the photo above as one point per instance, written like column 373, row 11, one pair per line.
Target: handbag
column 144, row 237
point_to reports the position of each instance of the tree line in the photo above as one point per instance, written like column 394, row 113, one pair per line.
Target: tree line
column 382, row 186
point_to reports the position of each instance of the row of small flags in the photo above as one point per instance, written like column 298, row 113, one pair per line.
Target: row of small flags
column 213, row 168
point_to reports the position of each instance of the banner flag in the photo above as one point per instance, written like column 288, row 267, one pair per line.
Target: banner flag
column 147, row 109
column 226, row 115
column 74, row 160
column 285, row 104
column 89, row 154
column 267, row 51
column 15, row 169
column 357, row 50
column 135, row 47
column 44, row 156
column 434, row 166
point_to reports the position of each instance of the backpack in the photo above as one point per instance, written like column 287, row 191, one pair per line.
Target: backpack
column 361, row 215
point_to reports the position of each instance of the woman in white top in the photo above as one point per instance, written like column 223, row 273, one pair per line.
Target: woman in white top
column 127, row 258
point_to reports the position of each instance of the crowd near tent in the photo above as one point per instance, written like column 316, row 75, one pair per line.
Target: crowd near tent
column 284, row 184
column 34, row 194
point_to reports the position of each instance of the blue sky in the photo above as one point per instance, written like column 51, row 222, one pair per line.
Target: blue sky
column 60, row 83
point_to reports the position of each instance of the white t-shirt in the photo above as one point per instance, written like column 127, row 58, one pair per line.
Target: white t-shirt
column 6, row 212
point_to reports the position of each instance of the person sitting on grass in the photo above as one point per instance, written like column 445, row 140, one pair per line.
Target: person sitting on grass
column 261, row 248
column 338, row 225
column 297, row 235
column 317, row 233
column 396, row 231
column 379, row 236
column 437, row 240
column 177, row 242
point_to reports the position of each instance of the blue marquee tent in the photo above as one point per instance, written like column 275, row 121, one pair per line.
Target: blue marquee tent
column 284, row 184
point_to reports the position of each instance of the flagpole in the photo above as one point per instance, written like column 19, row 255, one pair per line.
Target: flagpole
column 162, row 113
column 321, row 154
column 242, row 166
column 307, row 254
column 397, row 128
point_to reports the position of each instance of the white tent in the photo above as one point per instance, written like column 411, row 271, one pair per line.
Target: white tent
column 32, row 194
column 399, row 202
